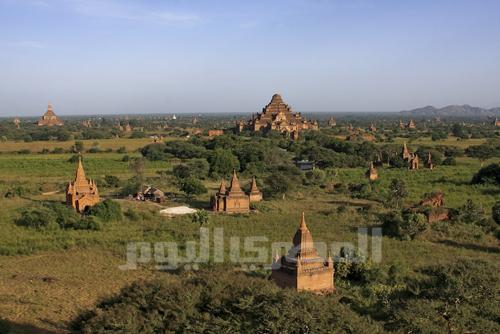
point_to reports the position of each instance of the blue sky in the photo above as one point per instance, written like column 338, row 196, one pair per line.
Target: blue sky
column 123, row 56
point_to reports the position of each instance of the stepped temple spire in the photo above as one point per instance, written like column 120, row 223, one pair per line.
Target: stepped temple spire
column 278, row 116
column 222, row 188
column 49, row 118
column 302, row 268
column 81, row 194
column 235, row 187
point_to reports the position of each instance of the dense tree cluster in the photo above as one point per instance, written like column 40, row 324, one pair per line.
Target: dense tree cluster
column 434, row 299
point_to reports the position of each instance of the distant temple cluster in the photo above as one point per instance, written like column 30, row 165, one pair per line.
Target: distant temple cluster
column 302, row 268
column 278, row 116
column 50, row 118
column 81, row 194
column 413, row 160
column 410, row 125
column 234, row 199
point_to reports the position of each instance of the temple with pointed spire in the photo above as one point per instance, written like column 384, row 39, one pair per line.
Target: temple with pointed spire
column 302, row 268
column 50, row 118
column 372, row 173
column 255, row 195
column 81, row 194
column 234, row 199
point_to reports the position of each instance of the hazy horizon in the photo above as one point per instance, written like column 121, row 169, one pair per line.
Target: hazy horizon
column 162, row 57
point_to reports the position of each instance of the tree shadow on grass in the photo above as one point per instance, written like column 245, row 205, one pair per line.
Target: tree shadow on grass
column 10, row 327
column 444, row 180
column 198, row 204
column 487, row 249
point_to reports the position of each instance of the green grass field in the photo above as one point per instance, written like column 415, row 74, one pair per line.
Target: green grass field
column 37, row 146
column 73, row 259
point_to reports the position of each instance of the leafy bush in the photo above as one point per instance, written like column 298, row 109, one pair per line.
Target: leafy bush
column 495, row 212
column 112, row 181
column 38, row 218
column 351, row 265
column 51, row 215
column 154, row 151
column 88, row 223
column 449, row 161
column 470, row 213
column 489, row 175
column 405, row 225
column 315, row 177
column 222, row 163
column 107, row 210
column 200, row 217
column 181, row 171
column 192, row 186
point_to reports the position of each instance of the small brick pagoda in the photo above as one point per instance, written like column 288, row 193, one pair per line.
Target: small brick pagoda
column 232, row 199
column 302, row 268
column 81, row 194
column 278, row 116
column 255, row 195
column 50, row 118
column 372, row 173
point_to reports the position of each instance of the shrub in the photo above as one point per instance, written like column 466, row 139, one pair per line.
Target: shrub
column 154, row 152
column 192, row 186
column 112, row 181
column 88, row 223
column 495, row 212
column 107, row 210
column 470, row 213
column 74, row 158
column 276, row 186
column 406, row 225
column 315, row 177
column 449, row 161
column 200, row 217
column 398, row 191
column 121, row 150
column 351, row 265
column 181, row 171
column 58, row 150
column 489, row 175
column 222, row 163
column 38, row 218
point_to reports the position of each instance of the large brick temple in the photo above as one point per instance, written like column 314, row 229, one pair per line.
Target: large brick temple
column 302, row 268
column 50, row 118
column 81, row 193
column 278, row 116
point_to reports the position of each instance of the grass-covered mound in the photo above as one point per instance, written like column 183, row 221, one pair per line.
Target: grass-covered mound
column 220, row 301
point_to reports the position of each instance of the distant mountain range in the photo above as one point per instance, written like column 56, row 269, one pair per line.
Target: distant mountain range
column 452, row 111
